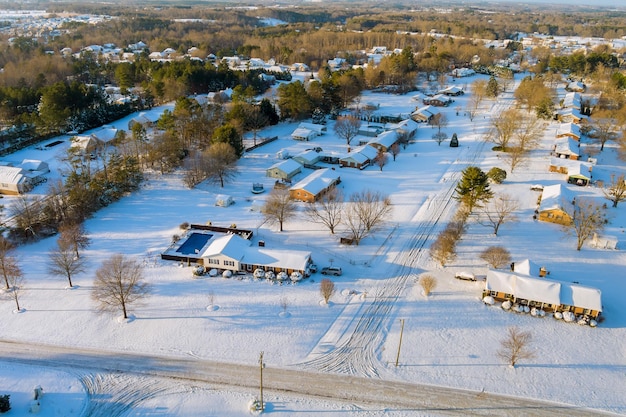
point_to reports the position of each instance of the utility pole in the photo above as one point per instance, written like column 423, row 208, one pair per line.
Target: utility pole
column 261, row 365
column 400, row 343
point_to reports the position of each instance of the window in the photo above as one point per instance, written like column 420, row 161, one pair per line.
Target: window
column 214, row 261
column 229, row 263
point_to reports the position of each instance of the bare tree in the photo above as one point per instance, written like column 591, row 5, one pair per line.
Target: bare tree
column 372, row 208
column 615, row 191
column 515, row 346
column 479, row 91
column 428, row 283
column 503, row 128
column 440, row 120
column 439, row 137
column 347, row 127
column 195, row 167
column 498, row 211
column 443, row 249
column 279, row 207
column 327, row 211
column 220, row 163
column 284, row 303
column 119, row 283
column 587, row 218
column 604, row 129
column 15, row 280
column 327, row 289
column 64, row 262
column 496, row 256
column 394, row 150
column 73, row 236
column 529, row 130
column 381, row 159
column 8, row 262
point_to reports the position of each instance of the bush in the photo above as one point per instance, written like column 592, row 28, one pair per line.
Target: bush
column 428, row 283
column 184, row 226
column 497, row 175
column 5, row 404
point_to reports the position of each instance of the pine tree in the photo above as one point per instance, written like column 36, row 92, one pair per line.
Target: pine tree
column 493, row 88
column 473, row 189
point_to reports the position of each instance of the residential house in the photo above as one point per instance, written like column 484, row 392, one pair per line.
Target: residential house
column 439, row 100
column 384, row 141
column 566, row 148
column 84, row 144
column 315, row 185
column 315, row 127
column 570, row 115
column 554, row 200
column 577, row 86
column 307, row 158
column 15, row 180
column 452, row 90
column 572, row 100
column 463, row 72
column 359, row 157
column 234, row 253
column 544, row 294
column 140, row 119
column 406, row 128
column 105, row 135
column 424, row 114
column 303, row 134
column 570, row 130
column 284, row 170
column 579, row 174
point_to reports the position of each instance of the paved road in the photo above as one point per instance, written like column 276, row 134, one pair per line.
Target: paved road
column 413, row 398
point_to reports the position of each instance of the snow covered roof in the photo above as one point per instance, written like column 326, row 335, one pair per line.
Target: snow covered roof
column 105, row 134
column 555, row 197
column 567, row 146
column 232, row 246
column 406, row 125
column 536, row 289
column 581, row 296
column 526, row 267
column 288, row 166
column 568, row 129
column 385, row 139
column 11, row 175
column 573, row 100
column 307, row 157
column 544, row 290
column 317, row 128
column 367, row 150
column 34, row 165
column 317, row 182
column 304, row 133
column 277, row 258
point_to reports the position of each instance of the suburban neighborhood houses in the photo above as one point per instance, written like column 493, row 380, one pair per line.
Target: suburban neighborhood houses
column 456, row 249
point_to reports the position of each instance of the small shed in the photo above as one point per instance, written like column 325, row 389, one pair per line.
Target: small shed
column 223, row 200
column 603, row 242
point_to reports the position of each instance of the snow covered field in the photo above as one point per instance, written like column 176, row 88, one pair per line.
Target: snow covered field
column 450, row 338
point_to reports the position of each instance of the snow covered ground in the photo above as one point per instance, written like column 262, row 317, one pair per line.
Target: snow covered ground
column 450, row 338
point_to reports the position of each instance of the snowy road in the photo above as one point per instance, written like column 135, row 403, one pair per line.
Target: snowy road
column 358, row 354
column 146, row 376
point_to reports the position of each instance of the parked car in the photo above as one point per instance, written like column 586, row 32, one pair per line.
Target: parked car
column 313, row 268
column 332, row 270
column 467, row 276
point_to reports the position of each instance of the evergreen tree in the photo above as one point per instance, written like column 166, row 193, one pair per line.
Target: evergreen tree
column 493, row 88
column 228, row 134
column 473, row 189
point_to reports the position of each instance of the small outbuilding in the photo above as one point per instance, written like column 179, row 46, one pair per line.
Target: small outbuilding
column 223, row 200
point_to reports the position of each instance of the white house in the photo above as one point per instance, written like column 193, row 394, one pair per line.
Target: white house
column 234, row 253
column 303, row 134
